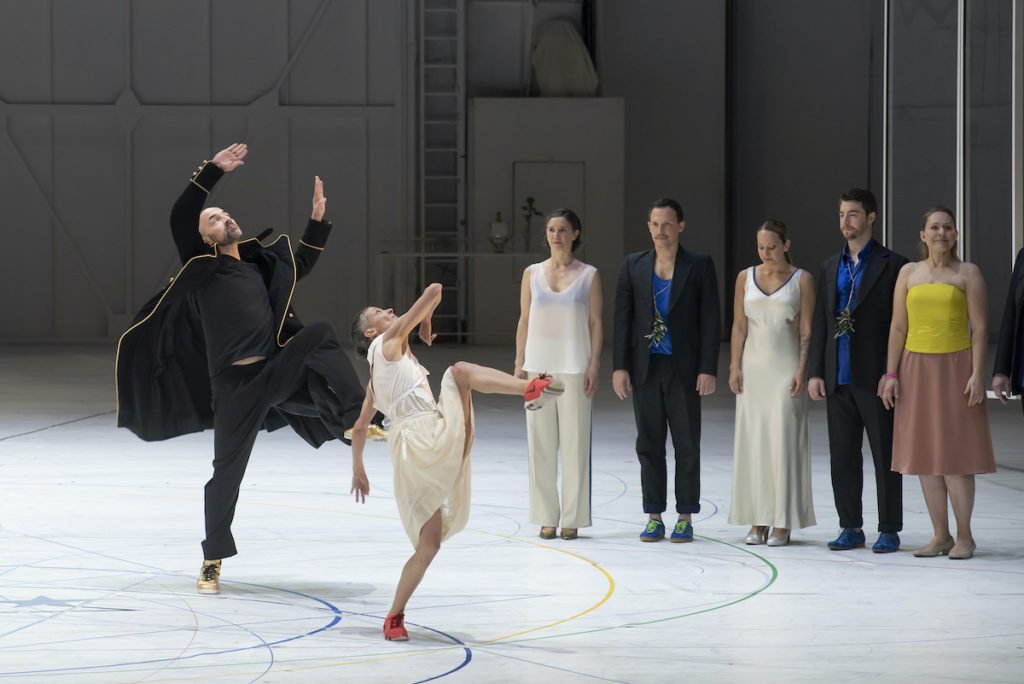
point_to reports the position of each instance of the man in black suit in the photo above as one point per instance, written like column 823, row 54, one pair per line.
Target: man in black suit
column 847, row 363
column 1007, row 377
column 667, row 332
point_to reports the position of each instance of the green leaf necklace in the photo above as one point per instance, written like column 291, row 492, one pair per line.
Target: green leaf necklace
column 658, row 326
column 844, row 321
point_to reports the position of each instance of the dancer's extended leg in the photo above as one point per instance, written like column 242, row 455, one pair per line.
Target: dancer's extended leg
column 470, row 376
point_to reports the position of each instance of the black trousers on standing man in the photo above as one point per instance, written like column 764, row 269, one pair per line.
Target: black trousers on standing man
column 851, row 412
column 663, row 404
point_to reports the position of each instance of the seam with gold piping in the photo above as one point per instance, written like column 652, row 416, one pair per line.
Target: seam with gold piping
column 303, row 242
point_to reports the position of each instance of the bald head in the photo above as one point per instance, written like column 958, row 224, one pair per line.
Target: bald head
column 217, row 227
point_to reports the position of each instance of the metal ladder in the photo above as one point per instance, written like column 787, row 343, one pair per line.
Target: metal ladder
column 441, row 232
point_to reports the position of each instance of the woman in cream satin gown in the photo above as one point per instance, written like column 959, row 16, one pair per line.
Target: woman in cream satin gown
column 771, row 486
column 430, row 439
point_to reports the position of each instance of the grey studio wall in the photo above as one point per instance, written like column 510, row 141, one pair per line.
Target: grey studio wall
column 742, row 109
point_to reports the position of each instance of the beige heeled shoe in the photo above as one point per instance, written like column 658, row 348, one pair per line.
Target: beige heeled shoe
column 934, row 548
column 962, row 552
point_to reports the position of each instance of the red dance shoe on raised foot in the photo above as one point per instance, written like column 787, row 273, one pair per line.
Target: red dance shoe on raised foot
column 394, row 628
column 540, row 389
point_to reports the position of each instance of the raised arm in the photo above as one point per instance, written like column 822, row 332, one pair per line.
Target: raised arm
column 186, row 210
column 417, row 313
column 314, row 239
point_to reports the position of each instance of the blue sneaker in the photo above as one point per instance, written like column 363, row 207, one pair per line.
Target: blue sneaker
column 888, row 542
column 848, row 539
column 655, row 531
column 682, row 532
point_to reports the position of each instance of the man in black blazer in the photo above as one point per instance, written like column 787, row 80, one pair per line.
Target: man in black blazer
column 847, row 362
column 1006, row 372
column 667, row 332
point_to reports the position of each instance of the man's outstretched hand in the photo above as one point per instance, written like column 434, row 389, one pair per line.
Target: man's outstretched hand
column 231, row 157
column 319, row 201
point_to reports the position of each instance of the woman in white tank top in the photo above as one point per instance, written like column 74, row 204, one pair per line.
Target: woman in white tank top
column 429, row 439
column 560, row 332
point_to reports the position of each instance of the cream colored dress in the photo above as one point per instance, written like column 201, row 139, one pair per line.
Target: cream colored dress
column 429, row 446
column 771, row 478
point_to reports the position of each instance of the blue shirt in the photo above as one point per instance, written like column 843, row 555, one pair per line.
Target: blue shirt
column 662, row 293
column 848, row 279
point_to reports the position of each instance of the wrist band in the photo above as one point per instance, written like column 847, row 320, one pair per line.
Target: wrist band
column 891, row 375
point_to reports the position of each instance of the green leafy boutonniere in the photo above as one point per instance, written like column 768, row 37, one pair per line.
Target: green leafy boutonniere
column 658, row 330
column 844, row 323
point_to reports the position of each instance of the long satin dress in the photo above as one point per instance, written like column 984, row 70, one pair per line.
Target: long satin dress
column 771, row 480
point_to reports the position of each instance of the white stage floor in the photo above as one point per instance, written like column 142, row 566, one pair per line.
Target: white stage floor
column 99, row 552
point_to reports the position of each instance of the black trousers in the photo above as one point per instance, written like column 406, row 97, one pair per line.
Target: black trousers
column 851, row 412
column 309, row 376
column 663, row 404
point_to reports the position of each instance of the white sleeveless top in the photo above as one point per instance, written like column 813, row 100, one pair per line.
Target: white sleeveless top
column 558, row 332
column 400, row 388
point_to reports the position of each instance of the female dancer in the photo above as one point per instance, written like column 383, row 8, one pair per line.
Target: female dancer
column 430, row 439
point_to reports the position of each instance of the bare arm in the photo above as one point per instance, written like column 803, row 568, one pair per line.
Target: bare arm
column 523, row 328
column 739, row 335
column 888, row 385
column 590, row 376
column 807, row 298
column 360, row 483
column 420, row 311
column 977, row 313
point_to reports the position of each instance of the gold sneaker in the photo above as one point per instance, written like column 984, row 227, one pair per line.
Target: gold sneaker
column 374, row 433
column 209, row 577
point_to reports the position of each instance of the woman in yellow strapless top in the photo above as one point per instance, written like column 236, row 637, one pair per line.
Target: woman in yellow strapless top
column 937, row 344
